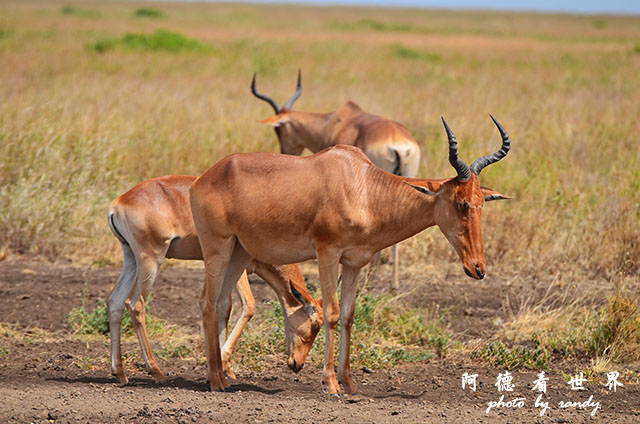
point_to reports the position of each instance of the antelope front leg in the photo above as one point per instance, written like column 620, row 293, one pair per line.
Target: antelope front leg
column 348, row 290
column 217, row 259
column 328, row 270
column 218, row 289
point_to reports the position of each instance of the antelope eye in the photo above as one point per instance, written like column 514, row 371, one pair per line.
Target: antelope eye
column 464, row 206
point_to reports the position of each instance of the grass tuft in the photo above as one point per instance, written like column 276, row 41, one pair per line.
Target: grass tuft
column 607, row 334
column 179, row 350
column 498, row 354
column 615, row 331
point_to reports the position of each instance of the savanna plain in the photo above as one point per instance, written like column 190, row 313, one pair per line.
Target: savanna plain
column 96, row 97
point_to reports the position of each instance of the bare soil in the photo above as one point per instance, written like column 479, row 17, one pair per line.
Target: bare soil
column 43, row 380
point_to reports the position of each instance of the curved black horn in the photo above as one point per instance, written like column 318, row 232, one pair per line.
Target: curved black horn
column 484, row 161
column 267, row 99
column 464, row 173
column 289, row 103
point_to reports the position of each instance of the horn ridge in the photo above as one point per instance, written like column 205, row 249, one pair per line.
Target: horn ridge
column 485, row 161
column 464, row 173
column 276, row 107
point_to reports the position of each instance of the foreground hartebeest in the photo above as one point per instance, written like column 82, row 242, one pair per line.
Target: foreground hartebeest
column 387, row 143
column 153, row 221
column 335, row 206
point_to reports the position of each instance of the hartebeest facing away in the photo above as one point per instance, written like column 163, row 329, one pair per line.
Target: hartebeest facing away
column 333, row 206
column 387, row 143
column 153, row 221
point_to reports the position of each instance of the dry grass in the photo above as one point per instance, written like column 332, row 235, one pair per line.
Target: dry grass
column 77, row 127
column 608, row 333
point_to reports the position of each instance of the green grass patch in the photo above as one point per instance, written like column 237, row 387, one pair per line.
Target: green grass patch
column 148, row 12
column 369, row 24
column 102, row 262
column 6, row 33
column 498, row 354
column 384, row 334
column 407, row 53
column 96, row 322
column 159, row 41
column 179, row 350
column 79, row 12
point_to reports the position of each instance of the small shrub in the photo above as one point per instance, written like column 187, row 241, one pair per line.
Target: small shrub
column 96, row 321
column 407, row 53
column 161, row 40
column 82, row 13
column 373, row 25
column 149, row 12
column 104, row 44
column 370, row 24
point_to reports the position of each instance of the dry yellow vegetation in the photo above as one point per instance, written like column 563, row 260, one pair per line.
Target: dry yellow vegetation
column 95, row 98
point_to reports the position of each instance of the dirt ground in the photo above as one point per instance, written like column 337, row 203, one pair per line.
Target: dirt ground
column 42, row 380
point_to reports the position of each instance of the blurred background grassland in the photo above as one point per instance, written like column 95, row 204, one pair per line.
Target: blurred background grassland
column 96, row 97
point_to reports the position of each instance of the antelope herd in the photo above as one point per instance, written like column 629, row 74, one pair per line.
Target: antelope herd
column 264, row 212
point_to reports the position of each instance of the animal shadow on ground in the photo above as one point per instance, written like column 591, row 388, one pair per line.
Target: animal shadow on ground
column 177, row 382
column 400, row 395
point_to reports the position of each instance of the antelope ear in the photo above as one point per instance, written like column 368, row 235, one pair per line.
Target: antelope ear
column 490, row 194
column 276, row 120
column 296, row 293
column 308, row 307
column 423, row 190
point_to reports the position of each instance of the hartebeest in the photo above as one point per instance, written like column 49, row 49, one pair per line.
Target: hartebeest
column 153, row 221
column 335, row 206
column 387, row 143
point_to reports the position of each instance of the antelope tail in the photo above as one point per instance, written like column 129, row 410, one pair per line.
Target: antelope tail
column 115, row 231
column 398, row 168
